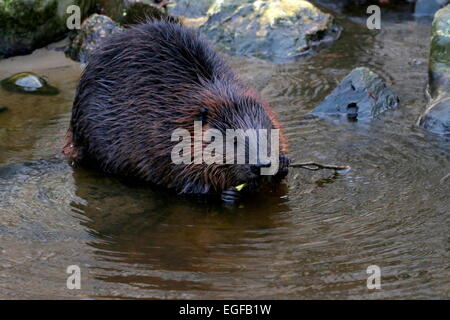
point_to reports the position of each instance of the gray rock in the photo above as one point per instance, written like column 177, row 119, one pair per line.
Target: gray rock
column 437, row 117
column 276, row 30
column 27, row 82
column 361, row 95
column 93, row 30
column 189, row 8
column 427, row 8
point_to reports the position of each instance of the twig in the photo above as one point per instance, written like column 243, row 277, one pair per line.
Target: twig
column 313, row 166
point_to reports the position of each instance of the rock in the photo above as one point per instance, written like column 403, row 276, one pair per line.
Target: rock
column 139, row 12
column 416, row 62
column 191, row 13
column 361, row 95
column 3, row 108
column 189, row 8
column 27, row 82
column 127, row 12
column 439, row 66
column 119, row 12
column 428, row 8
column 437, row 117
column 93, row 31
column 29, row 24
column 276, row 30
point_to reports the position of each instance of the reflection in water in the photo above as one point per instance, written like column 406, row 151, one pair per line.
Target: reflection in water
column 312, row 238
column 160, row 243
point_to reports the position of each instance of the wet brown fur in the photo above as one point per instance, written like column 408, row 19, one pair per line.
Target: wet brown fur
column 141, row 85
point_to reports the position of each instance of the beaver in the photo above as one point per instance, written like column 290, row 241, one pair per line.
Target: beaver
column 145, row 82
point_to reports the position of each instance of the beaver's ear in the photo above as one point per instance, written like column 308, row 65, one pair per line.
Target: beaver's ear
column 203, row 116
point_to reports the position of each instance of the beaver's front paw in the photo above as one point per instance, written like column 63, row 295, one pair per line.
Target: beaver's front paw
column 283, row 167
column 230, row 195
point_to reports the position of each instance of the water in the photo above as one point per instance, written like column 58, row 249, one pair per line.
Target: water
column 313, row 238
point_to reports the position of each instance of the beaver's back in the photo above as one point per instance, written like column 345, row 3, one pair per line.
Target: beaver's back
column 138, row 87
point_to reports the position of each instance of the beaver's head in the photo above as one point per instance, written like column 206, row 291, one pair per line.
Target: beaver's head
column 242, row 146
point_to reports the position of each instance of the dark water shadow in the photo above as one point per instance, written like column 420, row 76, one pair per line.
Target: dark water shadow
column 152, row 239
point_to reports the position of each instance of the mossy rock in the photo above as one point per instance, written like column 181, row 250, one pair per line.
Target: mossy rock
column 436, row 118
column 29, row 83
column 440, row 53
column 26, row 25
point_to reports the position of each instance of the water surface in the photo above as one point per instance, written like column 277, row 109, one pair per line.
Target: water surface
column 313, row 238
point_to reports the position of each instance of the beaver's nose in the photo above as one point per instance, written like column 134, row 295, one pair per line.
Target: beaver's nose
column 256, row 168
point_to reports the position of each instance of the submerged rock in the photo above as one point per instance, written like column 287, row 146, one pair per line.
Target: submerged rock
column 361, row 95
column 274, row 30
column 93, row 31
column 436, row 118
column 3, row 108
column 28, row 82
column 26, row 25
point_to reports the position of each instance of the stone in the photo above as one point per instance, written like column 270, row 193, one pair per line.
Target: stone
column 189, row 8
column 28, row 82
column 439, row 66
column 26, row 25
column 139, row 12
column 427, row 8
column 362, row 94
column 437, row 117
column 93, row 30
column 278, row 30
column 126, row 12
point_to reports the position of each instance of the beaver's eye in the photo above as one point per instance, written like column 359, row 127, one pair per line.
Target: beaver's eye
column 203, row 114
